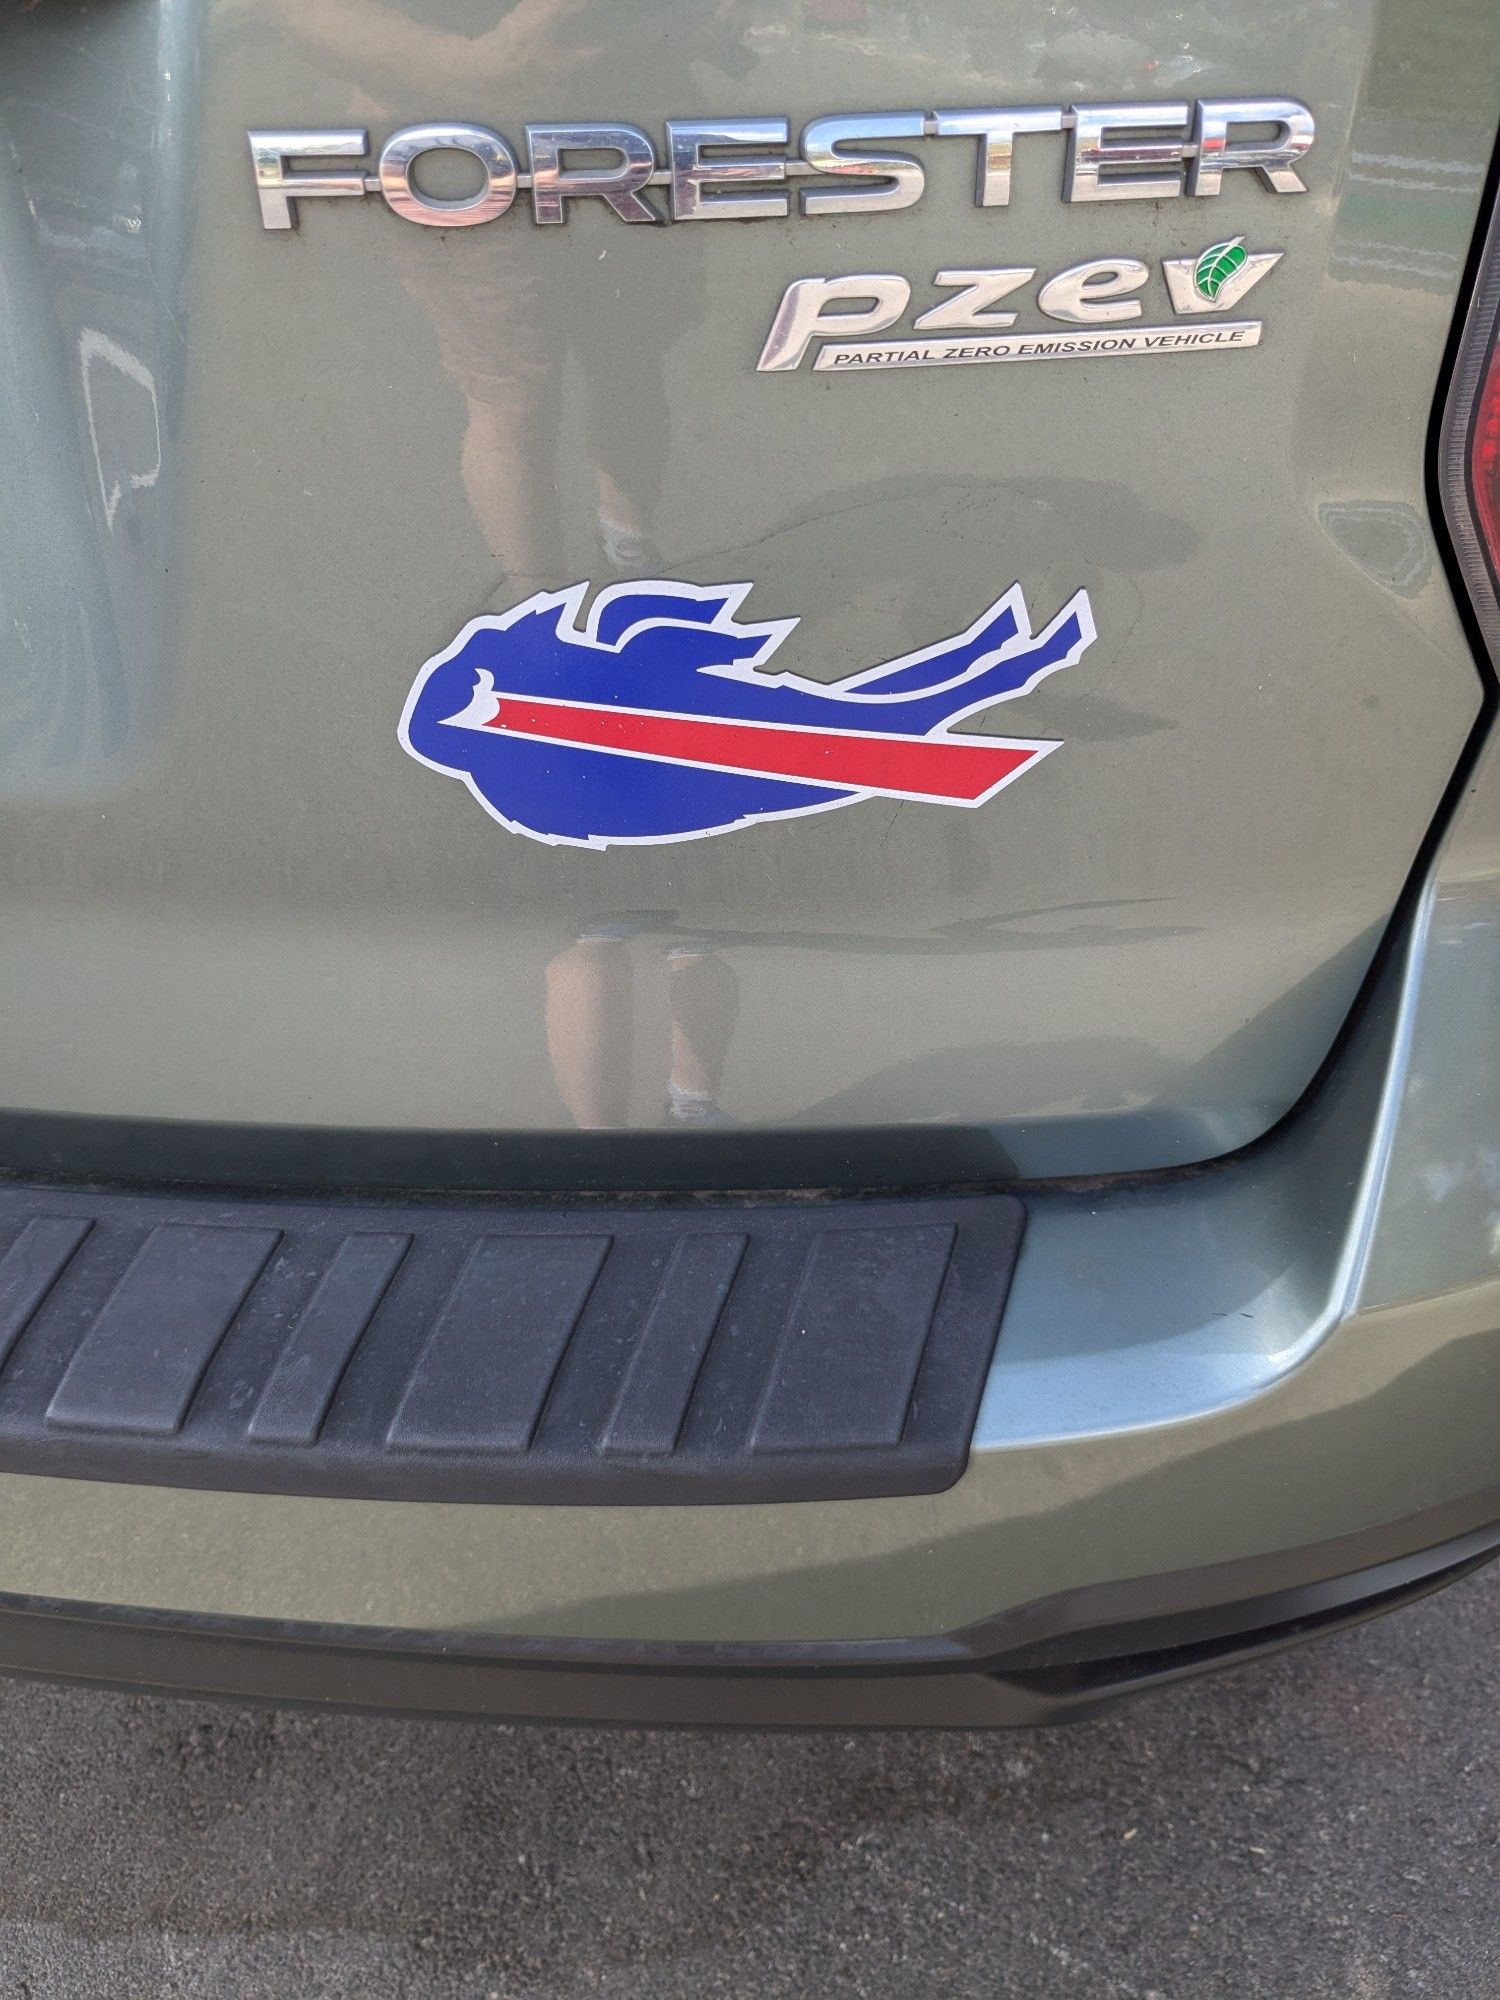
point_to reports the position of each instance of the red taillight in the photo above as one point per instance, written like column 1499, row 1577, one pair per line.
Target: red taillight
column 1469, row 451
column 1484, row 459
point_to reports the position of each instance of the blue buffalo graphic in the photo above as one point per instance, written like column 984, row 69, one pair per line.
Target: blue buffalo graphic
column 652, row 718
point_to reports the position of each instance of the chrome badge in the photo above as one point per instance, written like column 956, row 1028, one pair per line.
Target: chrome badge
column 738, row 169
column 1094, row 307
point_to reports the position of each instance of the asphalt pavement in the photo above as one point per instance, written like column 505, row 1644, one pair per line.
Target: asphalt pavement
column 1323, row 1824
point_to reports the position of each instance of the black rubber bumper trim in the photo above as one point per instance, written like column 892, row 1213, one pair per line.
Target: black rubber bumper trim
column 600, row 1353
column 1049, row 1661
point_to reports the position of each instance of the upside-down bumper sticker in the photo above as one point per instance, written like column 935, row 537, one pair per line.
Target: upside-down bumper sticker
column 649, row 716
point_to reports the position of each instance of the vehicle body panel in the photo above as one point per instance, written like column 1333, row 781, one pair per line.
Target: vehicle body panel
column 1232, row 953
column 1270, row 1354
column 297, row 465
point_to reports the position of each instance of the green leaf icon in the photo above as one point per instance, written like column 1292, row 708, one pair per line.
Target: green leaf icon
column 1217, row 266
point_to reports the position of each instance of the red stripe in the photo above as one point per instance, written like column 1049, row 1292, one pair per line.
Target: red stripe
column 942, row 768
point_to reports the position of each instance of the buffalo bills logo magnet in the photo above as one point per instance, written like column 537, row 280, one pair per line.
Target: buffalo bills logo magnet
column 651, row 715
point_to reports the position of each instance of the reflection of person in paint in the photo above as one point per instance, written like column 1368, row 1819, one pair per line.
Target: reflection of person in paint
column 505, row 332
column 591, row 1011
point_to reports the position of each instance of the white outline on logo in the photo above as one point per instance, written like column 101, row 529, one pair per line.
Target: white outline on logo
column 773, row 632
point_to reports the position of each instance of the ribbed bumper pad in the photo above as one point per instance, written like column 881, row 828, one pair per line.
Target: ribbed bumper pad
column 594, row 1353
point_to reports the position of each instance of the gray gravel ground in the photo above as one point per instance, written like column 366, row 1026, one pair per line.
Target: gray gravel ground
column 1323, row 1824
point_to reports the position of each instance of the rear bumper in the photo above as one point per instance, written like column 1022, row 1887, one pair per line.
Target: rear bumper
column 1213, row 1393
column 1048, row 1662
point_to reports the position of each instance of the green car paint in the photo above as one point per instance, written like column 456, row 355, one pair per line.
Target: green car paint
column 250, row 484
